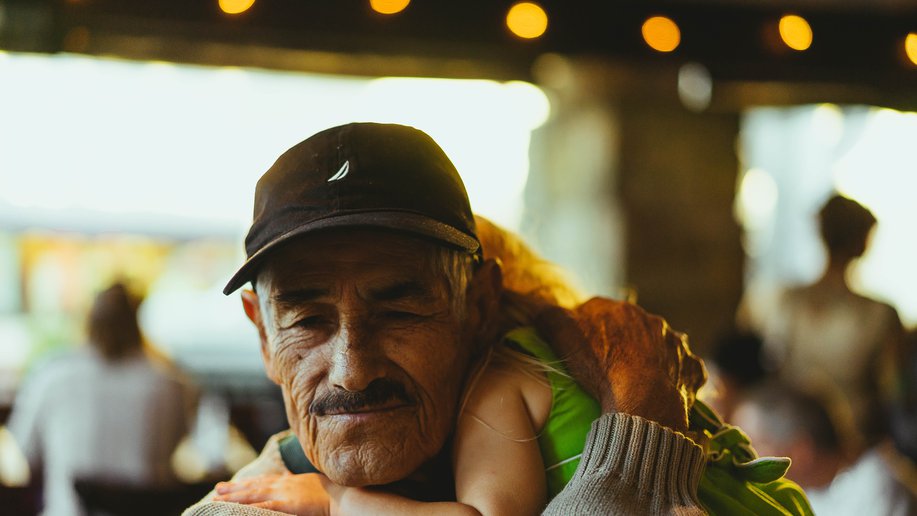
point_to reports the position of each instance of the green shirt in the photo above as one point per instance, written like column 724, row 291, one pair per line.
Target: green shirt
column 735, row 481
column 572, row 412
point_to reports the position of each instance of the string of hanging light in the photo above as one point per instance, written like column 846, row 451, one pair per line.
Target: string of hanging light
column 529, row 21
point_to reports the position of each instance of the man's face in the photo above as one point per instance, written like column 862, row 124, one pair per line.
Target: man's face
column 360, row 332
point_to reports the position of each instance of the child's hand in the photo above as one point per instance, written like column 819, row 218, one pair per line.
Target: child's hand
column 306, row 494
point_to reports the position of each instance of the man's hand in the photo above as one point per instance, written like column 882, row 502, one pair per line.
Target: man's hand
column 630, row 360
column 306, row 494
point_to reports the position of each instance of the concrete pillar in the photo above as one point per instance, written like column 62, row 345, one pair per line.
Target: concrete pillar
column 634, row 193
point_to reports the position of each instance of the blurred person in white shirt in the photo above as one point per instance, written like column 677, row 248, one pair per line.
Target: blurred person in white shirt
column 112, row 410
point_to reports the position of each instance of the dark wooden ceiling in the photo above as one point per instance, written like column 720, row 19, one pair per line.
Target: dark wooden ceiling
column 856, row 42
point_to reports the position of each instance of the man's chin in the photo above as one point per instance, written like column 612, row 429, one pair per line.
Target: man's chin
column 356, row 473
column 371, row 449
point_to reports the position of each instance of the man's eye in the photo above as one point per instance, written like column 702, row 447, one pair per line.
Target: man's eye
column 312, row 321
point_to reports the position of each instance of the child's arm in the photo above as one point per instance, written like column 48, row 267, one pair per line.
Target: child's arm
column 497, row 461
column 498, row 467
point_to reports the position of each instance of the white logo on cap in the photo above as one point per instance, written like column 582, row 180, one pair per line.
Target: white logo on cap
column 342, row 173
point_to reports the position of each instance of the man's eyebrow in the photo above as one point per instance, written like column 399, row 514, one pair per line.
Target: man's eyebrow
column 305, row 295
column 402, row 290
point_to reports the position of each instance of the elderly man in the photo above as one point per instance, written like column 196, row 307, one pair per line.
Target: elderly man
column 372, row 301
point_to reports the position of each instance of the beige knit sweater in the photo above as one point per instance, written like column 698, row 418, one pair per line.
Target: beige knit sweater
column 630, row 466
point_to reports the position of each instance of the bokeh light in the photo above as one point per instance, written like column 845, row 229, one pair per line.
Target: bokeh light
column 235, row 6
column 527, row 20
column 695, row 86
column 661, row 33
column 910, row 47
column 756, row 199
column 388, row 6
column 795, row 32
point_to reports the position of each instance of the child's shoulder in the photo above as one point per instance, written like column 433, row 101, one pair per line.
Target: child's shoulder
column 502, row 381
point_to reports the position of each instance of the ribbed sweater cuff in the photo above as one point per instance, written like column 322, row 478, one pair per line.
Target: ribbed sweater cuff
column 636, row 466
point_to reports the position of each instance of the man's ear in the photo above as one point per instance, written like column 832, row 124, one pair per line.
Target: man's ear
column 482, row 303
column 252, row 308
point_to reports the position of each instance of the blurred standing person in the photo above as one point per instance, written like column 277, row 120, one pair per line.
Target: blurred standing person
column 111, row 410
column 827, row 339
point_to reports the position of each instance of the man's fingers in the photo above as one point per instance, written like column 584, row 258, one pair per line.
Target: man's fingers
column 246, row 496
column 247, row 483
column 227, row 487
column 691, row 373
column 694, row 374
column 231, row 487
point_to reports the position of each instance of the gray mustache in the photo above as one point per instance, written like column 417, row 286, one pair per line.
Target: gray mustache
column 378, row 392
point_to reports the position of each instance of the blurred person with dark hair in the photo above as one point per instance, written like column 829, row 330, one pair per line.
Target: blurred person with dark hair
column 113, row 328
column 113, row 410
column 827, row 339
column 903, row 411
column 783, row 420
column 735, row 366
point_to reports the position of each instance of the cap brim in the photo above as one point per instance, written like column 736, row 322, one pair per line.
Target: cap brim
column 405, row 222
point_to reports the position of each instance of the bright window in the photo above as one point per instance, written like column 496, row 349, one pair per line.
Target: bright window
column 147, row 171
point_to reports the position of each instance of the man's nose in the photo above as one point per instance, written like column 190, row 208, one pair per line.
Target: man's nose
column 356, row 361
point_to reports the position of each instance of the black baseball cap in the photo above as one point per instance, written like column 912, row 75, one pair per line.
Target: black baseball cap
column 359, row 175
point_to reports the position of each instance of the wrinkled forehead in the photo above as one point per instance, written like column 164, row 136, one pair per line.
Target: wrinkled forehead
column 369, row 256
